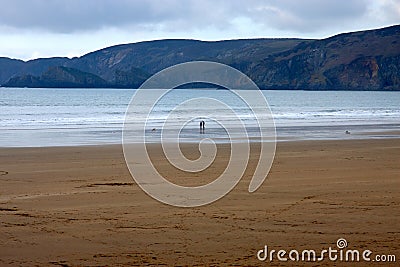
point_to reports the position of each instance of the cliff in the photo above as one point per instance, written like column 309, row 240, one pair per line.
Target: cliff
column 365, row 60
column 58, row 77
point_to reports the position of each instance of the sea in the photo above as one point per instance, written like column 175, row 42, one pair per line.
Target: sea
column 39, row 117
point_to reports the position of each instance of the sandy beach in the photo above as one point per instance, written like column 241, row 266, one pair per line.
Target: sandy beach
column 79, row 206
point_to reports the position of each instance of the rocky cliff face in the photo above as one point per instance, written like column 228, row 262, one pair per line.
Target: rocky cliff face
column 9, row 67
column 366, row 60
column 142, row 59
column 59, row 77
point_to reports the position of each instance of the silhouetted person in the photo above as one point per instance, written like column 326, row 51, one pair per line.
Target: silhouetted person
column 202, row 126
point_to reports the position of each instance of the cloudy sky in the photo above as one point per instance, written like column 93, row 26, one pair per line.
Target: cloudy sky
column 43, row 28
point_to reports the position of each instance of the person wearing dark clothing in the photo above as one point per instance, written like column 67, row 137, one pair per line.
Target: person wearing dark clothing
column 202, row 126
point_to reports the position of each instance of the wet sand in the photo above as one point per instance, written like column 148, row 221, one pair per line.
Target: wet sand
column 79, row 206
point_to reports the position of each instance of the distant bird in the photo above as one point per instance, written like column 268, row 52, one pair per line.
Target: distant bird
column 347, row 132
column 153, row 130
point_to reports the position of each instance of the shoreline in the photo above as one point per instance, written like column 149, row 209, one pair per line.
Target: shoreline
column 191, row 144
column 365, row 136
column 261, row 89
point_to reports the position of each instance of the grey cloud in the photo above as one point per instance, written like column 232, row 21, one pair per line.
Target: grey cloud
column 308, row 15
column 65, row 16
column 75, row 15
column 391, row 10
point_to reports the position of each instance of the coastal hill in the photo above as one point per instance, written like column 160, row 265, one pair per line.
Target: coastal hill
column 365, row 60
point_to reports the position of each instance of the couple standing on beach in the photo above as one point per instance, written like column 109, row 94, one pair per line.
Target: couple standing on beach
column 202, row 127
